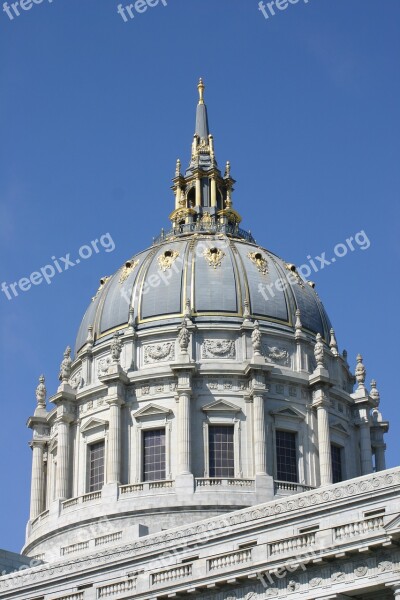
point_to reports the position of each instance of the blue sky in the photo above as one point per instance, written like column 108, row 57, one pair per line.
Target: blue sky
column 93, row 114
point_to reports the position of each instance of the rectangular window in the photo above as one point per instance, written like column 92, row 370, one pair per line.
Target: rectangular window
column 221, row 447
column 96, row 466
column 154, row 455
column 286, row 456
column 337, row 474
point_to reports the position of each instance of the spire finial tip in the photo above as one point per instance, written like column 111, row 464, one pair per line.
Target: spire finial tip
column 201, row 88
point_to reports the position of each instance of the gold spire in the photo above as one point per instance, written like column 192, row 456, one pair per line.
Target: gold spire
column 201, row 88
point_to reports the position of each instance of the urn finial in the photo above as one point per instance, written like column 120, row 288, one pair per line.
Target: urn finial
column 333, row 343
column 116, row 347
column 360, row 372
column 41, row 392
column 319, row 351
column 65, row 367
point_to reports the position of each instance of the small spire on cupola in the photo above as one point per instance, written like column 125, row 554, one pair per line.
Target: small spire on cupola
column 202, row 129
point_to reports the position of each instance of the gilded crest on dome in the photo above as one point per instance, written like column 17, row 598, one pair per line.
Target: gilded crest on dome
column 214, row 257
column 129, row 266
column 258, row 259
column 167, row 259
column 103, row 281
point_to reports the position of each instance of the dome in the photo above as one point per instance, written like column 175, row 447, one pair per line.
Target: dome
column 215, row 276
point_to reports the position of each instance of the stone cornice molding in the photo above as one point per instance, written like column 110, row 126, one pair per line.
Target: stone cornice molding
column 216, row 528
column 115, row 375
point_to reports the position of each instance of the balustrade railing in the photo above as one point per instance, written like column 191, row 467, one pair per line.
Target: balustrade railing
column 173, row 574
column 296, row 544
column 207, row 482
column 186, row 228
column 230, row 560
column 351, row 530
column 288, row 486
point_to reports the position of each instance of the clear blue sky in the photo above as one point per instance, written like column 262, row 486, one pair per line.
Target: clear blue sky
column 93, row 114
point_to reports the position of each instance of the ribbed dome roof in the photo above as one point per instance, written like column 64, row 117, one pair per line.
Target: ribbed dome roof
column 216, row 274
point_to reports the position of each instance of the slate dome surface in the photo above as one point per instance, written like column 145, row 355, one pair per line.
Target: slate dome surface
column 159, row 294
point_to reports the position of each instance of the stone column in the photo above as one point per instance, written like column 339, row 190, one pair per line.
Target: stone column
column 324, row 443
column 260, row 446
column 198, row 191
column 184, row 458
column 213, row 192
column 114, row 441
column 380, row 460
column 37, row 482
column 365, row 447
column 62, row 481
column 396, row 590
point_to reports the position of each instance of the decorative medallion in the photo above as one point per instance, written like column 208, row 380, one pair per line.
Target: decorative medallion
column 103, row 365
column 103, row 281
column 167, row 259
column 219, row 349
column 129, row 266
column 214, row 257
column 276, row 355
column 258, row 259
column 76, row 380
column 206, row 220
column 159, row 352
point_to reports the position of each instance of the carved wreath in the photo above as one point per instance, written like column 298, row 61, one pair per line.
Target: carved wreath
column 278, row 355
column 158, row 352
column 219, row 348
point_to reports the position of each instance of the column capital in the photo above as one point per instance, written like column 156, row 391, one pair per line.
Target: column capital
column 35, row 443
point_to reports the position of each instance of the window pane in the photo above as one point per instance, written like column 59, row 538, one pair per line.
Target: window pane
column 96, row 466
column 154, row 455
column 221, row 450
column 286, row 456
column 336, row 463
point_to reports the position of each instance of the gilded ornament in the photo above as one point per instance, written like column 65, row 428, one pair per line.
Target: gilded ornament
column 129, row 266
column 258, row 259
column 103, row 281
column 167, row 259
column 214, row 257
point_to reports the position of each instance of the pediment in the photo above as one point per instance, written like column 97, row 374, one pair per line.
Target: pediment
column 94, row 423
column 151, row 410
column 288, row 412
column 339, row 427
column 221, row 406
column 393, row 525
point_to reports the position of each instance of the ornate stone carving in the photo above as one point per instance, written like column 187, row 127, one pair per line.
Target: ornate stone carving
column 385, row 566
column 293, row 269
column 102, row 368
column 184, row 337
column 116, row 347
column 360, row 570
column 260, row 261
column 293, row 585
column 65, row 367
column 218, row 349
column 154, row 353
column 319, row 351
column 361, row 372
column 256, row 338
column 128, row 268
column 167, row 259
column 315, row 582
column 276, row 355
column 41, row 392
column 76, row 380
column 374, row 393
column 338, row 576
column 214, row 256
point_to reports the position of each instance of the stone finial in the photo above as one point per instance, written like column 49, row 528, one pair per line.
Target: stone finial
column 184, row 337
column 319, row 351
column 90, row 339
column 116, row 347
column 65, row 367
column 178, row 168
column 228, row 169
column 298, row 324
column 374, row 393
column 333, row 343
column 246, row 313
column 256, row 339
column 131, row 319
column 41, row 392
column 188, row 311
column 360, row 372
